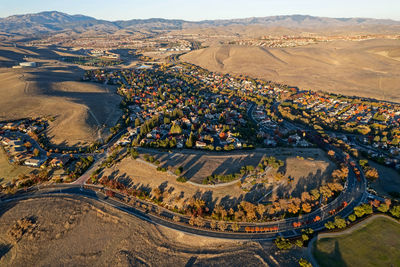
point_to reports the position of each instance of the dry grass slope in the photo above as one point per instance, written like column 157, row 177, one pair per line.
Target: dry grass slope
column 83, row 111
column 368, row 68
column 80, row 233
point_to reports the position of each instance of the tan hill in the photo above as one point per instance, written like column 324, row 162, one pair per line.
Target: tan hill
column 53, row 21
column 368, row 68
column 81, row 232
column 83, row 112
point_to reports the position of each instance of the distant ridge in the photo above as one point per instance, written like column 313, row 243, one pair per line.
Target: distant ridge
column 54, row 21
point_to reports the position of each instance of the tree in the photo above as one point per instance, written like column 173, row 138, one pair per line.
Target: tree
column 299, row 243
column 282, row 243
column 179, row 170
column 304, row 237
column 395, row 211
column 192, row 220
column 306, row 207
column 383, row 208
column 199, row 222
column 305, row 196
column 28, row 145
column 304, row 263
column 222, row 225
column 249, row 209
column 176, row 129
column 352, row 217
column 315, row 194
column 261, row 210
column 363, row 209
column 235, row 227
column 329, row 225
column 190, row 140
column 340, row 222
column 213, row 224
column 371, row 174
column 134, row 154
column 157, row 193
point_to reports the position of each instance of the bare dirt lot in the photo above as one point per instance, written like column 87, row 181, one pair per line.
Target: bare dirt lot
column 366, row 68
column 67, row 232
column 307, row 172
column 83, row 111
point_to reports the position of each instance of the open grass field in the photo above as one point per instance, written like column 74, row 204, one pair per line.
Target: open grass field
column 375, row 244
column 10, row 171
column 367, row 68
column 308, row 172
column 83, row 112
column 81, row 232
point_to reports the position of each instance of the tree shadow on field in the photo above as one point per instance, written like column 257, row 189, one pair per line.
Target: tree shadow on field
column 305, row 183
column 4, row 249
column 334, row 258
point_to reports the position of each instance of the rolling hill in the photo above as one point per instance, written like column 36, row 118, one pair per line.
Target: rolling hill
column 368, row 68
column 53, row 21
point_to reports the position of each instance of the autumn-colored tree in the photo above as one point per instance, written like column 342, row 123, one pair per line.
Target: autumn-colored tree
column 235, row 227
column 331, row 153
column 306, row 207
column 222, row 225
column 219, row 212
column 383, row 208
column 261, row 210
column 199, row 222
column 305, row 196
column 28, row 145
column 371, row 174
column 213, row 224
column 156, row 192
column 192, row 220
column 315, row 194
column 294, row 206
column 249, row 209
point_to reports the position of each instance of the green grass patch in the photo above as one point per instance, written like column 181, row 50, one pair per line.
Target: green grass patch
column 375, row 244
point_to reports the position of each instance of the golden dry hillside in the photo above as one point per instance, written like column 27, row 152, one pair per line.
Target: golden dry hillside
column 81, row 232
column 367, row 68
column 83, row 112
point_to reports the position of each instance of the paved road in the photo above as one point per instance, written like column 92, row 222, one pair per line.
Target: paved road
column 353, row 194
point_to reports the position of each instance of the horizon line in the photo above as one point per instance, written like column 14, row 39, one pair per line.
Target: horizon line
column 201, row 20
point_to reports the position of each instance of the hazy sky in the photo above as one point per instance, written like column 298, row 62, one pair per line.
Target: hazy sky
column 205, row 9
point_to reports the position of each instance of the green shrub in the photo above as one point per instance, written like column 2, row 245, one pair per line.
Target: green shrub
column 181, row 179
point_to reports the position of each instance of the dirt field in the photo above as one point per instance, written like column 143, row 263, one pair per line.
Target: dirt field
column 66, row 232
column 9, row 171
column 83, row 111
column 375, row 244
column 389, row 180
column 367, row 68
column 307, row 173
column 309, row 170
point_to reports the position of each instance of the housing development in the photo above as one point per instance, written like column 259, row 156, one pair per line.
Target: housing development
column 171, row 142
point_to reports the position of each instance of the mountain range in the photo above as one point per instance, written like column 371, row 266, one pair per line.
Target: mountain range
column 54, row 21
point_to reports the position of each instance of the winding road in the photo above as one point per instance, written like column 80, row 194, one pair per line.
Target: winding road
column 353, row 194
